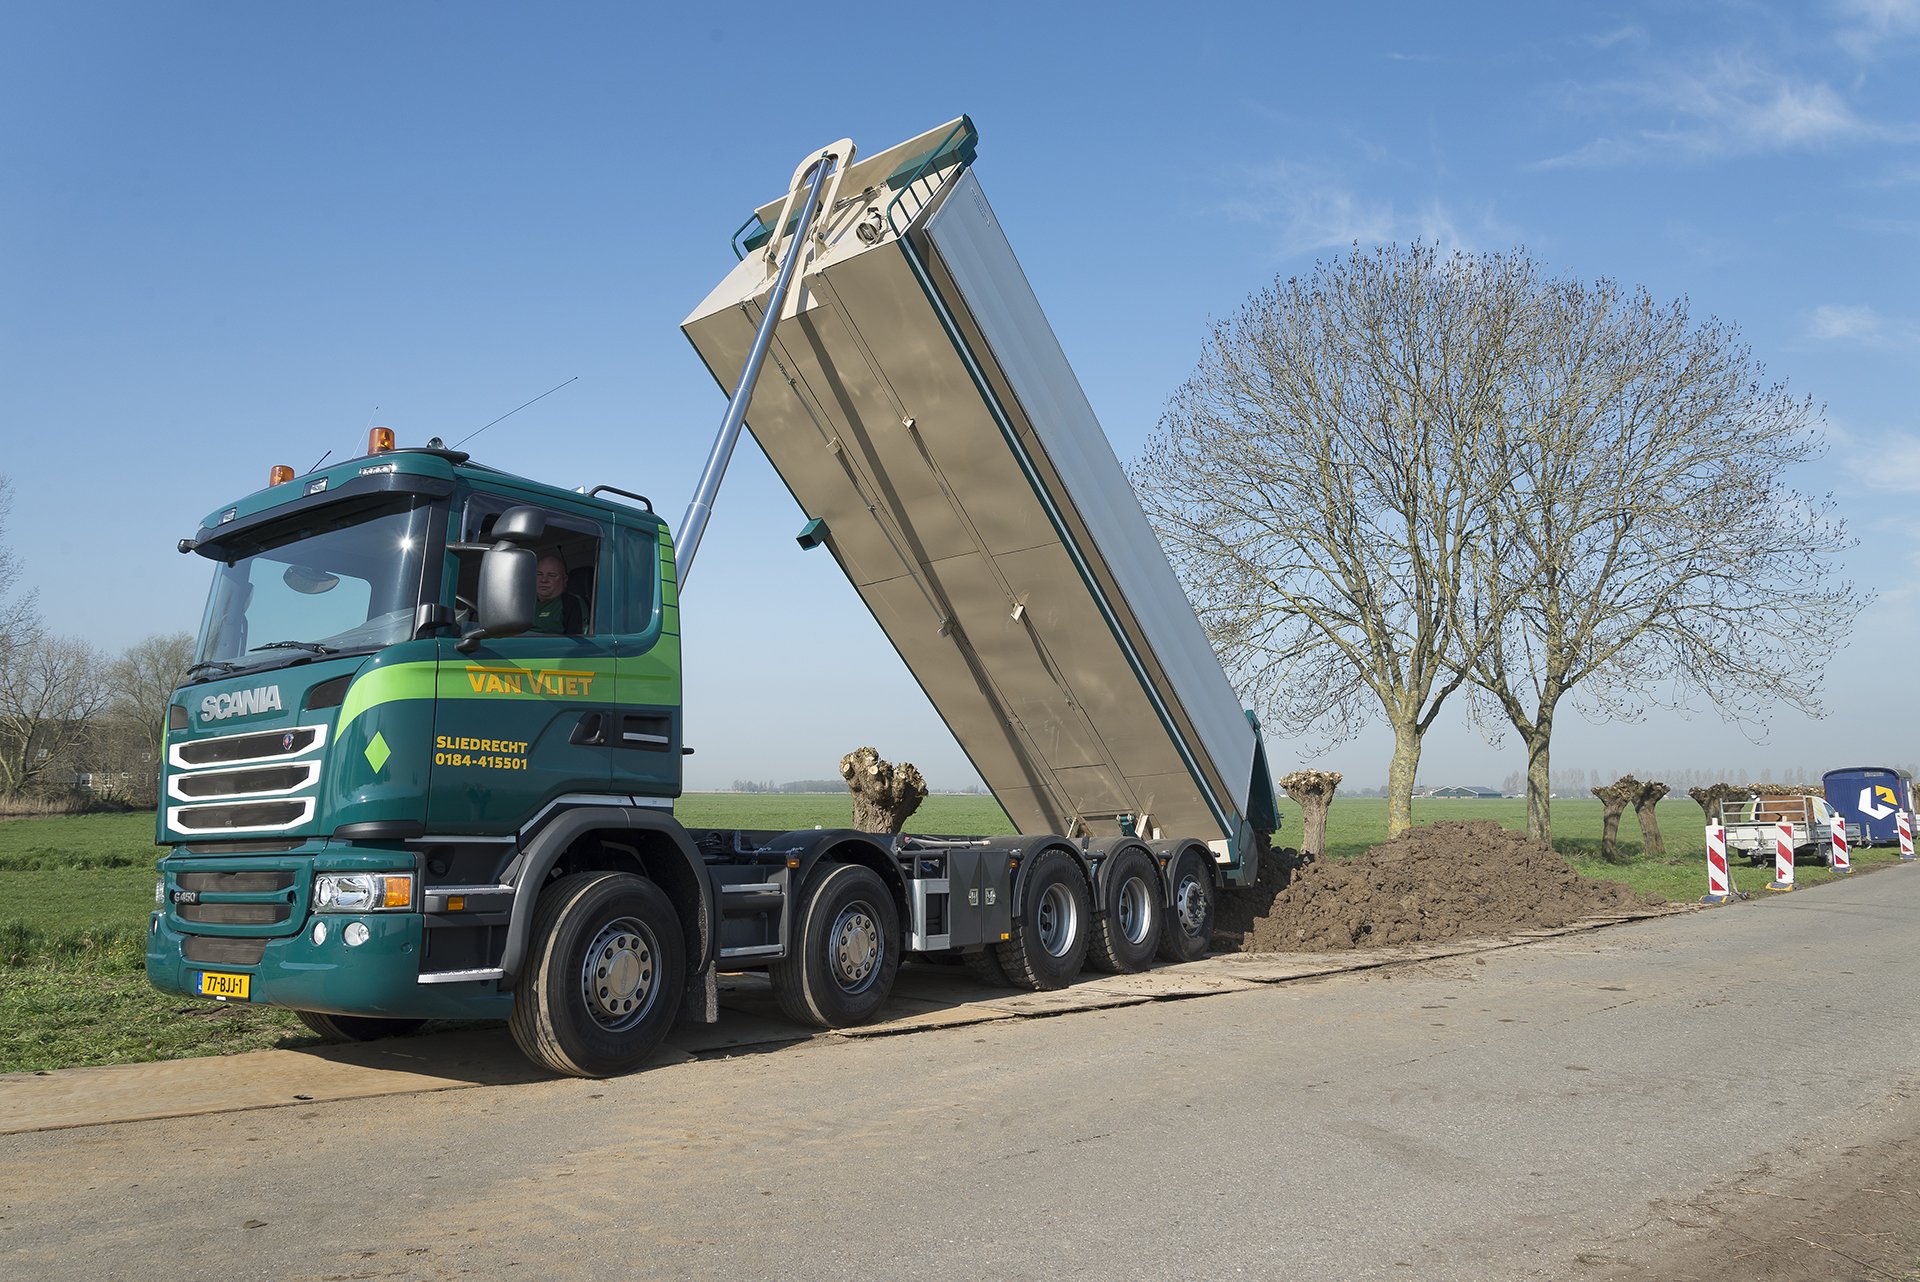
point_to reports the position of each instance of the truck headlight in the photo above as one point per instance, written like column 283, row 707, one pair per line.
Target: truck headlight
column 362, row 892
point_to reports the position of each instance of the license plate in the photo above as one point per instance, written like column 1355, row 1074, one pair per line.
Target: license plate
column 214, row 983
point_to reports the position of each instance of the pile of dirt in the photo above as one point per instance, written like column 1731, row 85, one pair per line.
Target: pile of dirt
column 1441, row 881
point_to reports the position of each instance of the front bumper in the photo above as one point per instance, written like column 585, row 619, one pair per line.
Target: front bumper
column 379, row 976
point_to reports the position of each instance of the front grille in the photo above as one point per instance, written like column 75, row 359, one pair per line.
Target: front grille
column 234, row 914
column 213, row 951
column 261, row 746
column 240, row 816
column 245, row 781
column 239, row 783
column 234, row 883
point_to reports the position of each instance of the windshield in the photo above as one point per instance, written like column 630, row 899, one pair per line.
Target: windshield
column 337, row 579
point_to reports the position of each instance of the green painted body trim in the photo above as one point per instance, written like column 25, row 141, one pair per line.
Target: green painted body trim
column 386, row 685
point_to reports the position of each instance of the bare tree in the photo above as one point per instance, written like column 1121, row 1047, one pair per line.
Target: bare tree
column 1313, row 790
column 1614, row 799
column 1709, row 797
column 1644, row 802
column 50, row 692
column 1649, row 534
column 142, row 681
column 1322, row 480
column 884, row 795
column 17, row 613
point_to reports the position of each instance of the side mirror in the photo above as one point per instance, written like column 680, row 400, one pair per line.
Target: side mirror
column 521, row 525
column 505, row 601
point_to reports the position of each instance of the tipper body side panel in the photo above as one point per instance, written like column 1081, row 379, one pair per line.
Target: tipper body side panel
column 920, row 409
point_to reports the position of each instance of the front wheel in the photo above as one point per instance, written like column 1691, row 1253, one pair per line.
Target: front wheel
column 356, row 1028
column 839, row 970
column 1189, row 928
column 603, row 981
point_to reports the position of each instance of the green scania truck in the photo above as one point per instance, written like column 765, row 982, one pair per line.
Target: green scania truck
column 400, row 785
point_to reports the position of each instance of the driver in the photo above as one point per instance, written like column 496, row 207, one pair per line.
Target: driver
column 556, row 610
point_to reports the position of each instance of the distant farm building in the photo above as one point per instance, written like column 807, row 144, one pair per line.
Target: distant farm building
column 1463, row 794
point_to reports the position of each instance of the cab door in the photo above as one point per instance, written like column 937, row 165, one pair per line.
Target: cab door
column 522, row 721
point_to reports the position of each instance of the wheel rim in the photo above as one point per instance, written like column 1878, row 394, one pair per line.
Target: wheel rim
column 619, row 974
column 1134, row 910
column 854, row 948
column 1191, row 905
column 1059, row 920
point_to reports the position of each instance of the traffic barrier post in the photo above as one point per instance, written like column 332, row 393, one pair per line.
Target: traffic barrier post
column 1841, row 859
column 1719, row 889
column 1906, row 835
column 1782, row 856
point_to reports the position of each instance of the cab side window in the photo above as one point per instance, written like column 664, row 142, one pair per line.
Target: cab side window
column 639, row 582
column 567, row 579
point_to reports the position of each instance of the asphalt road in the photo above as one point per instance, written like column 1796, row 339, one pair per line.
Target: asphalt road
column 1583, row 1107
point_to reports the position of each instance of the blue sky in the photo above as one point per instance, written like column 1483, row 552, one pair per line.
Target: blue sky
column 229, row 232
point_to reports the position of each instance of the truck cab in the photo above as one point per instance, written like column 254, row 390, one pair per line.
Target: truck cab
column 369, row 736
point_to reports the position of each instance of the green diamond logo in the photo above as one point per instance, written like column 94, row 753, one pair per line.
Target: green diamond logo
column 378, row 752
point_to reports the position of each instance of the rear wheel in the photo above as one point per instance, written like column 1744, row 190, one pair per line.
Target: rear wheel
column 839, row 971
column 356, row 1028
column 1048, row 947
column 603, row 980
column 1127, row 932
column 1188, row 932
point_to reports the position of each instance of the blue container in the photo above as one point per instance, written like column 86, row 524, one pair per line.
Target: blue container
column 1870, row 797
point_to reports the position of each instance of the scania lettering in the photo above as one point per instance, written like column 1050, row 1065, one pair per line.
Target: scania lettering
column 434, row 810
column 240, row 703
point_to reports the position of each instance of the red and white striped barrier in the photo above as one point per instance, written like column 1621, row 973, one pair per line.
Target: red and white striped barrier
column 1719, row 885
column 1906, row 835
column 1782, row 856
column 1841, row 860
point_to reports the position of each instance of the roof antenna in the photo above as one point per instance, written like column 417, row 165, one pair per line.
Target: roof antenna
column 316, row 463
column 515, row 410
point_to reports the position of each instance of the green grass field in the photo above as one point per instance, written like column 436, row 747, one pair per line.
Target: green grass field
column 75, row 892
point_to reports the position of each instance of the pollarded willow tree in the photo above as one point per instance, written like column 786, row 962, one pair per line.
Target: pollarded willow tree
column 1652, row 548
column 1325, row 481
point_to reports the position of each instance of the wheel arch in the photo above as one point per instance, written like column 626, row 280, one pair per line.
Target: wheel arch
column 1028, row 852
column 848, row 846
column 1107, row 849
column 633, row 839
column 1166, row 857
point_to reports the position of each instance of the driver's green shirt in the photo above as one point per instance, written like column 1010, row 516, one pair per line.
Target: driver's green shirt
column 552, row 616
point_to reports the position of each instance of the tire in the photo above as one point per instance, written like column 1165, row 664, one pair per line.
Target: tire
column 986, row 967
column 1126, row 934
column 604, row 975
column 845, row 952
column 1049, row 944
column 356, row 1028
column 1187, row 933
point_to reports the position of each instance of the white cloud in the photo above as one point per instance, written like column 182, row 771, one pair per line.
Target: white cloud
column 1835, row 321
column 1890, row 465
column 1313, row 209
column 1867, row 26
column 1632, row 33
column 1859, row 323
column 1732, row 105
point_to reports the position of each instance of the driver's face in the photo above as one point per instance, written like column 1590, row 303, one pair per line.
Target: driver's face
column 549, row 580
